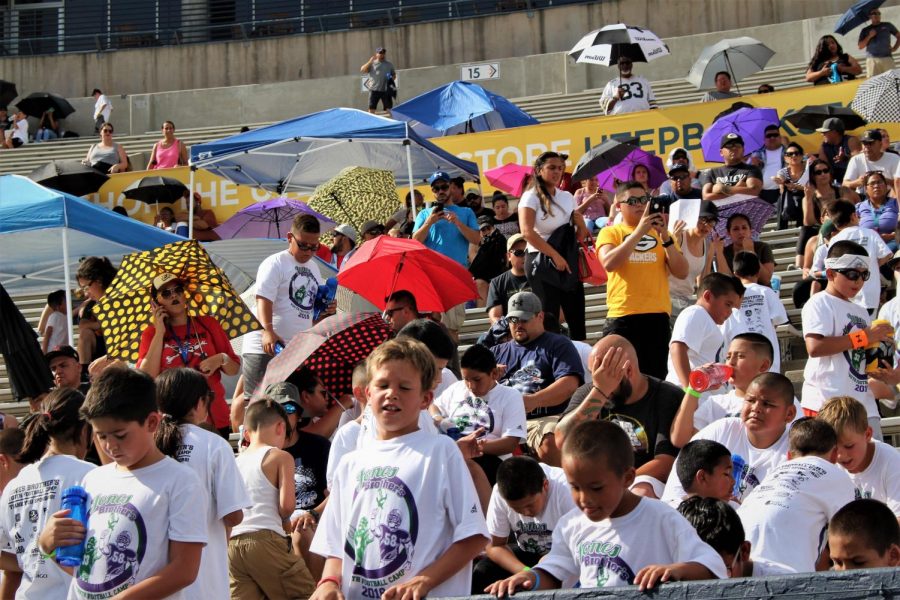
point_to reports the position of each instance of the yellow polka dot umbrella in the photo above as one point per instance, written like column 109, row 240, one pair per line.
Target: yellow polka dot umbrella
column 125, row 311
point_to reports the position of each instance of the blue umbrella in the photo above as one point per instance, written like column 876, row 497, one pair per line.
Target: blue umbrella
column 460, row 107
column 749, row 123
column 856, row 15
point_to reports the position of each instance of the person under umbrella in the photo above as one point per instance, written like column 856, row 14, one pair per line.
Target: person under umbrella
column 628, row 92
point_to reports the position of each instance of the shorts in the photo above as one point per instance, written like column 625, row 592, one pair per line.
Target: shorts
column 253, row 368
column 538, row 429
column 261, row 565
column 876, row 65
column 454, row 318
column 386, row 98
column 17, row 142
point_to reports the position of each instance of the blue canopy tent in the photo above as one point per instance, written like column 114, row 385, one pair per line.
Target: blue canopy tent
column 460, row 107
column 300, row 154
column 43, row 233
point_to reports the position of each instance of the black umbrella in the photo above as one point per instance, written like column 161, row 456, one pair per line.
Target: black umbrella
column 8, row 92
column 69, row 176
column 36, row 104
column 155, row 189
column 26, row 368
column 813, row 116
column 603, row 157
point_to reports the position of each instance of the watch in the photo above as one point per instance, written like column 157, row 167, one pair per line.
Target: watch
column 669, row 243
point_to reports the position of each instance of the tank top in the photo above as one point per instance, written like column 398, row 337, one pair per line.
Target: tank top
column 109, row 156
column 263, row 495
column 685, row 287
column 166, row 158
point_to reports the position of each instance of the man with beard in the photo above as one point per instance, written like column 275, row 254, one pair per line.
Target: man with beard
column 341, row 247
column 642, row 405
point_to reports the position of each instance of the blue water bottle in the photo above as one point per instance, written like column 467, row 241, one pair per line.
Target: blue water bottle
column 74, row 498
column 737, row 463
column 835, row 74
column 324, row 296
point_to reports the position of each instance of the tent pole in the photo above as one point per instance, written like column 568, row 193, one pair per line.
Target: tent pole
column 190, row 202
column 68, row 286
column 409, row 171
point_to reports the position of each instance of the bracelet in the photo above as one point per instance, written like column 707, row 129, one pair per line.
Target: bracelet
column 537, row 577
column 335, row 580
column 51, row 556
column 599, row 391
column 858, row 339
column 314, row 513
column 692, row 392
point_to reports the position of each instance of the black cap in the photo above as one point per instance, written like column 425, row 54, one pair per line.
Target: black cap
column 709, row 209
column 871, row 135
column 731, row 138
column 485, row 221
column 61, row 351
column 678, row 168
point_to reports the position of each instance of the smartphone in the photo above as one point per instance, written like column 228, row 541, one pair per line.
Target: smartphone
column 439, row 207
column 656, row 207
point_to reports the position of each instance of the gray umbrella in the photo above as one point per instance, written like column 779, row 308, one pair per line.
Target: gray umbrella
column 741, row 57
column 878, row 98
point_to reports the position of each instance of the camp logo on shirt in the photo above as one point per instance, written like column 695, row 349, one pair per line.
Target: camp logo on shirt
column 604, row 557
column 303, row 288
column 472, row 413
column 382, row 542
column 116, row 544
column 856, row 359
column 533, row 537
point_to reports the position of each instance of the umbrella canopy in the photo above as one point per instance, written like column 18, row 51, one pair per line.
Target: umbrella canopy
column 856, row 15
column 270, row 219
column 300, row 154
column 125, row 311
column 26, row 368
column 69, row 176
column 155, row 189
column 741, row 57
column 624, row 170
column 36, row 104
column 749, row 123
column 602, row 157
column 384, row 265
column 604, row 46
column 812, row 117
column 757, row 210
column 460, row 107
column 356, row 195
column 878, row 98
column 331, row 348
column 8, row 92
column 509, row 178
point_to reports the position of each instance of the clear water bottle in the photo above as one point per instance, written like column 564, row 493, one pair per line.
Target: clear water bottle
column 776, row 282
column 710, row 376
column 75, row 499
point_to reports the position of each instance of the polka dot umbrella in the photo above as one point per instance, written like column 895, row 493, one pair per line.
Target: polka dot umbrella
column 125, row 311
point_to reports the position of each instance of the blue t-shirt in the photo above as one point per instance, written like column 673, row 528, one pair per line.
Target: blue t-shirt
column 882, row 220
column 445, row 237
column 880, row 45
column 532, row 367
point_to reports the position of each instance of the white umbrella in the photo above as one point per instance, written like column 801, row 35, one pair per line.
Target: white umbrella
column 878, row 98
column 741, row 57
column 604, row 46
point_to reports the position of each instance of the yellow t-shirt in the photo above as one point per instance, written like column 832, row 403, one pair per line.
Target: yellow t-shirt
column 641, row 285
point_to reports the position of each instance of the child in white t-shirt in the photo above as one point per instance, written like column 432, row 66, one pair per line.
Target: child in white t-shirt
column 528, row 501
column 56, row 329
column 864, row 535
column 183, row 397
column 614, row 537
column 759, row 436
column 873, row 466
column 705, row 469
column 57, row 439
column 696, row 337
column 837, row 332
column 785, row 516
column 761, row 311
column 346, row 438
column 147, row 524
column 404, row 520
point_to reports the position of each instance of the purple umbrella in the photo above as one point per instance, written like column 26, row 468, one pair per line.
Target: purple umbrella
column 623, row 171
column 755, row 209
column 270, row 219
column 749, row 123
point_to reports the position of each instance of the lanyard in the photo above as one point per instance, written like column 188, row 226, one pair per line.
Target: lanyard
column 183, row 347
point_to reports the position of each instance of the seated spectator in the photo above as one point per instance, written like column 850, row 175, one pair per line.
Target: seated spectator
column 169, row 152
column 827, row 55
column 792, row 181
column 837, row 148
column 56, row 328
column 63, row 364
column 591, row 202
column 680, row 186
column 490, row 259
column 17, row 135
column 506, row 221
column 770, row 159
column 510, row 282
column 474, row 201
column 48, row 129
column 106, row 155
column 204, row 219
column 886, row 141
column 765, row 88
column 165, row 219
column 679, row 156
column 820, row 192
column 699, row 252
column 705, row 470
column 723, row 88
column 735, row 177
column 371, row 230
column 741, row 234
column 864, row 535
column 872, row 158
column 877, row 211
column 400, row 310
column 626, row 93
column 641, row 174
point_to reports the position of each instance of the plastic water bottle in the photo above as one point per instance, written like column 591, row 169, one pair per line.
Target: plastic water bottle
column 776, row 283
column 450, row 429
column 324, row 296
column 278, row 347
column 835, row 76
column 74, row 498
column 737, row 469
column 711, row 376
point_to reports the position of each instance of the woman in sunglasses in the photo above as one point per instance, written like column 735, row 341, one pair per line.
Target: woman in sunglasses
column 177, row 339
column 877, row 211
column 792, row 180
column 699, row 251
column 819, row 192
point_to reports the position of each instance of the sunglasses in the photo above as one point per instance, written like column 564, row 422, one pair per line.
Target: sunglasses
column 632, row 200
column 853, row 274
column 440, row 188
column 290, row 408
column 303, row 247
column 792, row 154
column 520, row 252
column 374, row 231
column 772, row 135
column 175, row 290
column 389, row 312
column 679, row 177
column 821, row 172
column 517, row 320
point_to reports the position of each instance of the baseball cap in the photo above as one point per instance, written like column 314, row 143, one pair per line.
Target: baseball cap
column 284, row 393
column 731, row 138
column 164, row 278
column 369, row 226
column 871, row 135
column 473, row 192
column 678, row 168
column 831, row 124
column 485, row 221
column 380, row 49
column 346, row 230
column 709, row 209
column 61, row 351
column 437, row 176
column 524, row 305
column 513, row 240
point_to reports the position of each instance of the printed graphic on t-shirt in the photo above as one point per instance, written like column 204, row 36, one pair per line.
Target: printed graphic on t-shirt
column 856, row 359
column 304, row 485
column 183, row 453
column 114, row 551
column 747, row 478
column 643, row 251
column 634, row 429
column 472, row 413
column 605, row 559
column 533, row 537
column 527, row 380
column 302, row 290
column 381, row 544
column 630, row 90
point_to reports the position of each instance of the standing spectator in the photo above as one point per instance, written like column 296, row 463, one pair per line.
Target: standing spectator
column 404, row 217
column 371, row 230
column 877, row 211
column 836, row 147
column 793, row 180
column 827, row 53
column 457, row 184
column 169, row 152
column 510, row 282
column 381, row 82
column 204, row 219
column 592, row 203
column 56, row 331
column 723, row 88
column 626, row 93
column 102, row 109
column 736, row 177
column 769, row 160
column 106, row 155
column 490, row 260
column 872, row 158
column 546, row 216
column 699, row 251
column 875, row 39
column 474, row 201
column 17, row 136
column 507, row 222
column 48, row 128
column 741, row 234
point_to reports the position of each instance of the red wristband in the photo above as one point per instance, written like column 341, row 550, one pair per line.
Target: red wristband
column 335, row 580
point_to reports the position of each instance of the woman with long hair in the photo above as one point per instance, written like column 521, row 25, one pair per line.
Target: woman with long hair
column 94, row 275
column 819, row 192
column 544, row 213
column 169, row 152
column 829, row 52
column 106, row 155
column 792, row 179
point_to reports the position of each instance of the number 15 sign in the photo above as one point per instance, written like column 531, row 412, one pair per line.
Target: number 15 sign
column 480, row 72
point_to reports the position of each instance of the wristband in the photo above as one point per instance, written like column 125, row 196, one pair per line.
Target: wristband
column 537, row 577
column 669, row 243
column 51, row 556
column 314, row 513
column 335, row 580
column 858, row 339
column 601, row 392
column 692, row 392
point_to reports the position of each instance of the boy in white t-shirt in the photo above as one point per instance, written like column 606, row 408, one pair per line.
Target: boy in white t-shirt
column 873, row 466
column 785, row 516
column 614, row 537
column 696, row 338
column 404, row 520
column 759, row 436
column 864, row 535
column 705, row 469
column 760, row 311
column 56, row 330
column 528, row 501
column 837, row 332
column 148, row 517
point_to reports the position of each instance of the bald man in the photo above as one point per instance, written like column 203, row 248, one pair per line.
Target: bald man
column 643, row 406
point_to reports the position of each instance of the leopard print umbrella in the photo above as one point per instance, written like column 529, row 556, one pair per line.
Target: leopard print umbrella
column 356, row 195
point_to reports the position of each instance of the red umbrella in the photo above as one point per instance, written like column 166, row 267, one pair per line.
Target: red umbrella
column 384, row 265
column 509, row 178
column 331, row 348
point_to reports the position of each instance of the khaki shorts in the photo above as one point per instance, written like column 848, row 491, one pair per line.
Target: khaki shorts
column 261, row 565
column 538, row 429
column 879, row 65
column 454, row 318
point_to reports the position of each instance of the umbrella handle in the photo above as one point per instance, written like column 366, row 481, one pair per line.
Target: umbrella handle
column 731, row 72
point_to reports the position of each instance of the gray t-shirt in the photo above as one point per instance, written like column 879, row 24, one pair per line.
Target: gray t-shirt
column 880, row 45
column 717, row 95
column 379, row 73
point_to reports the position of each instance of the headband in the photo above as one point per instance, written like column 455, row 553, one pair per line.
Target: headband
column 847, row 261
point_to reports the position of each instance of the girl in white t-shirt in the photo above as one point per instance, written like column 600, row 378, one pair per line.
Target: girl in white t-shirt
column 56, row 441
column 183, row 397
